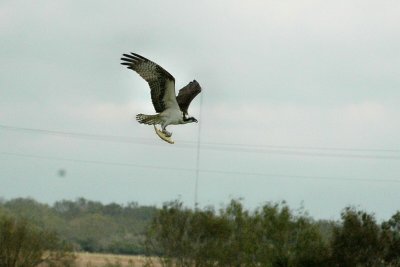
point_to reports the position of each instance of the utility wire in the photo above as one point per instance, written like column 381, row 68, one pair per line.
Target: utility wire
column 138, row 140
column 260, row 174
column 99, row 162
column 305, row 153
column 307, row 147
column 231, row 147
column 95, row 137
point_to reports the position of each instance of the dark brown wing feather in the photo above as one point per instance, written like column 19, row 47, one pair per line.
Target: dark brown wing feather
column 154, row 74
column 187, row 94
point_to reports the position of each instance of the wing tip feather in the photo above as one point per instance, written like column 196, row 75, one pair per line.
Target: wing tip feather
column 139, row 56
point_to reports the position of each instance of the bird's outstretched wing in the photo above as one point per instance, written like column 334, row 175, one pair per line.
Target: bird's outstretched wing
column 187, row 94
column 161, row 82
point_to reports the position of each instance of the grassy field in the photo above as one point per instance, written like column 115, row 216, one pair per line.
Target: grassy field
column 108, row 260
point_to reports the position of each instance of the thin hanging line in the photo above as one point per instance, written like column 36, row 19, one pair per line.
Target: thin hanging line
column 196, row 185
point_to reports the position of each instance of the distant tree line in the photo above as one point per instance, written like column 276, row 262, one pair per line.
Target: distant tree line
column 87, row 225
column 271, row 235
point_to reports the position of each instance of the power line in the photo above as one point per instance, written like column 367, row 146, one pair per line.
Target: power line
column 260, row 174
column 95, row 137
column 99, row 162
column 307, row 147
column 231, row 147
column 305, row 153
column 139, row 140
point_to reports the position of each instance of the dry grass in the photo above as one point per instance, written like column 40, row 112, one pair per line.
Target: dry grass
column 99, row 260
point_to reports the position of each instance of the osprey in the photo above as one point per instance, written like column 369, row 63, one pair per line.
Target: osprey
column 171, row 109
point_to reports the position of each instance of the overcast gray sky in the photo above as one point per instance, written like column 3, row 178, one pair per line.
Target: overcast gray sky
column 311, row 90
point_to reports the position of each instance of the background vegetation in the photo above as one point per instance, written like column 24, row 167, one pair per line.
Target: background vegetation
column 271, row 235
column 87, row 225
column 21, row 244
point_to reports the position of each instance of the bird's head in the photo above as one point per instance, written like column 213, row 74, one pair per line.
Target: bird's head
column 189, row 119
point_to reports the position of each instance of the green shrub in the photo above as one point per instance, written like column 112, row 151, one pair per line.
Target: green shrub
column 23, row 245
column 270, row 236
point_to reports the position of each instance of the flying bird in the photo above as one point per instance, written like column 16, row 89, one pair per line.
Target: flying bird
column 170, row 109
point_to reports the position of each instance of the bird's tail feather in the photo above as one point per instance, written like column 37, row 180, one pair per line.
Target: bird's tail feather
column 148, row 119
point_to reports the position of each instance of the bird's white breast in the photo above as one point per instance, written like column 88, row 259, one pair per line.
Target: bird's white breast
column 172, row 116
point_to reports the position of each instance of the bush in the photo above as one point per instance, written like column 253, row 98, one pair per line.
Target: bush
column 357, row 241
column 270, row 236
column 23, row 245
column 390, row 240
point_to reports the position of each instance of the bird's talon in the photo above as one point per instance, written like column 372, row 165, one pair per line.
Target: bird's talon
column 167, row 134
